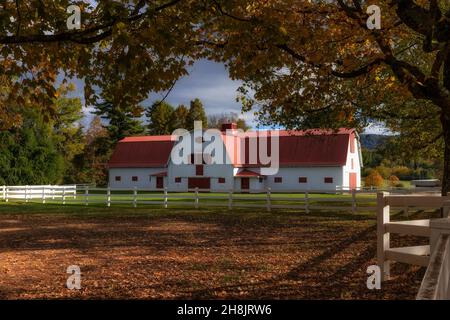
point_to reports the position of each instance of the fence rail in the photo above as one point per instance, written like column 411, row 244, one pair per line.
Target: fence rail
column 436, row 282
column 268, row 199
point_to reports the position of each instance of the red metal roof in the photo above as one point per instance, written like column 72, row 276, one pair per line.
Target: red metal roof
column 142, row 152
column 314, row 147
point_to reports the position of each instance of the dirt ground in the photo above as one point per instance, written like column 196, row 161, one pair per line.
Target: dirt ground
column 194, row 255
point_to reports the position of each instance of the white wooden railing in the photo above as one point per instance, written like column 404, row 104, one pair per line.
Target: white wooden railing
column 416, row 255
column 436, row 282
column 287, row 199
column 42, row 192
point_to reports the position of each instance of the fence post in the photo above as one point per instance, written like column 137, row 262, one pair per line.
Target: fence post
column 64, row 196
column 268, row 202
column 86, row 195
column 108, row 197
column 6, row 194
column 446, row 207
column 353, row 201
column 135, row 197
column 43, row 195
column 383, row 238
column 165, row 197
column 26, row 193
column 306, row 201
column 230, row 199
column 53, row 193
column 196, row 198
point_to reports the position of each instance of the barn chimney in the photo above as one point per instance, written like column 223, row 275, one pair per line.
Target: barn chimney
column 229, row 126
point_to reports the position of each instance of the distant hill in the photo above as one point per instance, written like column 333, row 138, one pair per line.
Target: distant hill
column 372, row 141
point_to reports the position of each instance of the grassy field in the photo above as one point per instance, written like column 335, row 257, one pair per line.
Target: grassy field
column 156, row 253
column 182, row 200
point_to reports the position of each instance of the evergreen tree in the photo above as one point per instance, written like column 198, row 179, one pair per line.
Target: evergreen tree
column 123, row 121
column 179, row 117
column 160, row 118
column 196, row 113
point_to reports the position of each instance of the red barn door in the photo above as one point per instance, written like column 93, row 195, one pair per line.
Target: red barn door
column 245, row 183
column 160, row 182
column 201, row 183
column 352, row 179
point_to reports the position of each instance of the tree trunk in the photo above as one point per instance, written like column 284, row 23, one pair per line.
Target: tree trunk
column 445, row 120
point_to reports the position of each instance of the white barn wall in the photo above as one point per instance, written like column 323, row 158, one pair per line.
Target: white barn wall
column 315, row 177
column 126, row 175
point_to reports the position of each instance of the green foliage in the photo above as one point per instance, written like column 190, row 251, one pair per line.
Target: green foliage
column 196, row 113
column 160, row 116
column 123, row 120
column 29, row 153
column 179, row 117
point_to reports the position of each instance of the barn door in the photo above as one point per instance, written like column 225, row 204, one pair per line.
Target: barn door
column 245, row 183
column 160, row 182
column 352, row 179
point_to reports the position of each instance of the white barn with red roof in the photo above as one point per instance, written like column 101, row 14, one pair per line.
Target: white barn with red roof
column 307, row 160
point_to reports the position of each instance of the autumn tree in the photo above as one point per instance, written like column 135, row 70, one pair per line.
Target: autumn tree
column 91, row 165
column 317, row 62
column 374, row 179
column 299, row 60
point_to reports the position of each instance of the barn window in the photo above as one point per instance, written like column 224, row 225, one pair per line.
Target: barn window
column 328, row 180
column 199, row 170
column 221, row 180
column 118, row 178
column 261, row 179
column 352, row 165
column 177, row 180
column 302, row 180
column 134, row 178
column 278, row 180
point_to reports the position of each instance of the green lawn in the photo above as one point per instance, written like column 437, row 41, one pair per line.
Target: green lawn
column 124, row 199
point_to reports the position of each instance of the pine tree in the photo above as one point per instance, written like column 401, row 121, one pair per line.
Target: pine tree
column 196, row 113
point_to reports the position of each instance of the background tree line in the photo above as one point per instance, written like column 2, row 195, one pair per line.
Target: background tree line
column 39, row 148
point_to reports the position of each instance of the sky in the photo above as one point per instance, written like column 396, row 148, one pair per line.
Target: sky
column 209, row 82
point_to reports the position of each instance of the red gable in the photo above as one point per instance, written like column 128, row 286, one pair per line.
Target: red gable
column 142, row 152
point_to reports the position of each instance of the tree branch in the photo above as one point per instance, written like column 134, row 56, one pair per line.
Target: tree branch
column 86, row 36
